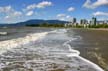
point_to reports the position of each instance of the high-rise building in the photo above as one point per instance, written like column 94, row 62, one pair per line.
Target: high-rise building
column 106, row 21
column 74, row 20
column 83, row 21
column 94, row 20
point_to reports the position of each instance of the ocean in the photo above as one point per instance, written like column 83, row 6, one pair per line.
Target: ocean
column 45, row 49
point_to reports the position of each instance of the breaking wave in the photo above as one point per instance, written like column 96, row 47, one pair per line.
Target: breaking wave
column 44, row 56
column 76, row 53
column 13, row 43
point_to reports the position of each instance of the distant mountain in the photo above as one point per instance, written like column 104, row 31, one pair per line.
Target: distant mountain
column 35, row 21
column 56, row 21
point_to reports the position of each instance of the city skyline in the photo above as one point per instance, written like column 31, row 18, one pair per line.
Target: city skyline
column 93, row 20
column 12, row 11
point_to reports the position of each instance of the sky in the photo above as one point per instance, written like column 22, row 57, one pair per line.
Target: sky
column 12, row 11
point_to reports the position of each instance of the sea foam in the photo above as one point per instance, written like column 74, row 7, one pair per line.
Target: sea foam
column 13, row 43
column 76, row 53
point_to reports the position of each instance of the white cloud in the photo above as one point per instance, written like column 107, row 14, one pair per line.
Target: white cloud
column 68, row 16
column 7, row 17
column 6, row 9
column 61, row 15
column 12, row 15
column 17, row 13
column 71, row 9
column 39, row 5
column 100, row 13
column 64, row 17
column 9, row 12
column 44, row 4
column 33, row 6
column 90, row 5
column 29, row 13
column 87, row 4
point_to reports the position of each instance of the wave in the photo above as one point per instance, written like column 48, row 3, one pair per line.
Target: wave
column 73, row 52
column 76, row 53
column 13, row 43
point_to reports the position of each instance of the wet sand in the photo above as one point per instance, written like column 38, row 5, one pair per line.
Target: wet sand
column 93, row 45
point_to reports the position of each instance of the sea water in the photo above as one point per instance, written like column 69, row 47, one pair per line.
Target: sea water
column 45, row 51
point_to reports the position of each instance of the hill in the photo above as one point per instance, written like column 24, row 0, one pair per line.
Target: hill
column 34, row 21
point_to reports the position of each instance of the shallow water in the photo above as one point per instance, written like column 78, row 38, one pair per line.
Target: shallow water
column 93, row 45
column 49, row 53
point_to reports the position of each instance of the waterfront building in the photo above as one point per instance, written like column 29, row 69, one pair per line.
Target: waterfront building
column 83, row 21
column 94, row 21
column 74, row 20
column 100, row 22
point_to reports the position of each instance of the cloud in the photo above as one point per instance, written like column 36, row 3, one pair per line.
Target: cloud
column 67, row 16
column 39, row 5
column 71, row 9
column 30, row 7
column 6, row 9
column 88, row 4
column 63, row 17
column 17, row 13
column 44, row 4
column 100, row 13
column 7, row 17
column 29, row 13
column 10, row 12
column 12, row 15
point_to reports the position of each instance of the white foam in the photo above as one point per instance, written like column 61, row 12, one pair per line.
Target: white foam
column 73, row 52
column 76, row 53
column 9, row 44
column 92, row 64
column 3, row 33
column 13, row 43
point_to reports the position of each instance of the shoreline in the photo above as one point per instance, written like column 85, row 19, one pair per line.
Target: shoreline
column 31, row 39
column 79, row 63
column 76, row 53
column 103, row 29
column 93, row 45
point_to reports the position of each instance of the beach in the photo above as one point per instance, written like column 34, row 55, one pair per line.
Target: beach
column 44, row 49
column 93, row 45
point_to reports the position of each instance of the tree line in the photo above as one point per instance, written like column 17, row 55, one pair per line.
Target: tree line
column 46, row 25
column 68, row 26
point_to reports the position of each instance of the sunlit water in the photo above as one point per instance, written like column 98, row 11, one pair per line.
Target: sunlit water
column 45, row 51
